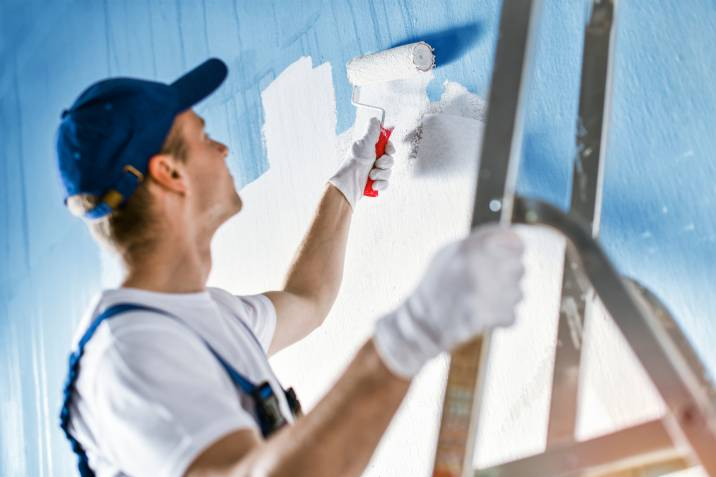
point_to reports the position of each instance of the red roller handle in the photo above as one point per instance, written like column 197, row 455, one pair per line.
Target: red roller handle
column 379, row 151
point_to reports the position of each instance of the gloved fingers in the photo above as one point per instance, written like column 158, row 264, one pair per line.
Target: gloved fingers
column 380, row 174
column 508, row 239
column 365, row 146
column 507, row 265
column 389, row 148
column 496, row 232
column 497, row 277
column 503, row 251
column 475, row 313
column 509, row 295
column 498, row 309
column 505, row 319
column 496, row 240
column 506, row 315
column 380, row 185
column 372, row 131
column 385, row 162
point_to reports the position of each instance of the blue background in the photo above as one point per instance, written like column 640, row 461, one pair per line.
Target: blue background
column 659, row 194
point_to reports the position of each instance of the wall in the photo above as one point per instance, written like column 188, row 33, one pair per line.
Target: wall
column 657, row 222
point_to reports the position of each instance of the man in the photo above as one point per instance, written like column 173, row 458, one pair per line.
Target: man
column 166, row 375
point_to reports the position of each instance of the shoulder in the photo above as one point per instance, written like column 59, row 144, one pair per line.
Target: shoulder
column 255, row 311
column 128, row 341
column 139, row 343
column 140, row 327
column 143, row 359
column 130, row 322
column 258, row 303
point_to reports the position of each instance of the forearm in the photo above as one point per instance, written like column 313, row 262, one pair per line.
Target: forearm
column 339, row 436
column 317, row 269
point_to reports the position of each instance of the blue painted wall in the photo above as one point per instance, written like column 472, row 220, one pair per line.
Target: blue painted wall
column 658, row 223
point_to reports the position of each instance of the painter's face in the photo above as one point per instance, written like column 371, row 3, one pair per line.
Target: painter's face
column 213, row 196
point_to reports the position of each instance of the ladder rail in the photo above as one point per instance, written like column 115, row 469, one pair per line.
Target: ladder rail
column 677, row 376
column 586, row 202
column 493, row 202
column 680, row 381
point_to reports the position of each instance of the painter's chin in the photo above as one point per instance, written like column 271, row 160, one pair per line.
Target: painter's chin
column 231, row 208
column 238, row 203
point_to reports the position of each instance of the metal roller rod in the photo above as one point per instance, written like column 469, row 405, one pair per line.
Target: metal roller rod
column 355, row 102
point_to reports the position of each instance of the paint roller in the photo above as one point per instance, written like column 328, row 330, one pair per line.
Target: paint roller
column 401, row 62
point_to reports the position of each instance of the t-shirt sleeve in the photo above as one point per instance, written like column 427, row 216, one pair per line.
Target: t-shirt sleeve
column 256, row 311
column 161, row 398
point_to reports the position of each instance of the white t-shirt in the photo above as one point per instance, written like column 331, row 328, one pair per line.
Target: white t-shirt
column 150, row 396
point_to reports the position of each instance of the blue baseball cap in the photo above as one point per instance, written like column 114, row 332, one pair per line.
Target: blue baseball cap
column 105, row 140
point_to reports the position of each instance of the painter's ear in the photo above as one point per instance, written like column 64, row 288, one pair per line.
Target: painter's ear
column 164, row 169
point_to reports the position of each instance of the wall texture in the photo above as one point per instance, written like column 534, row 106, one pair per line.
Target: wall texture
column 658, row 224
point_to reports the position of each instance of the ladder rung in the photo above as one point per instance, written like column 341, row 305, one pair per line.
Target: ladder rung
column 630, row 448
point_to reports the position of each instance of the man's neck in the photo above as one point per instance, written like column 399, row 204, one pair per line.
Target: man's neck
column 174, row 265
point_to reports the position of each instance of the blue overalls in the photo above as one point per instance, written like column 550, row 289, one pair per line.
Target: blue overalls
column 268, row 413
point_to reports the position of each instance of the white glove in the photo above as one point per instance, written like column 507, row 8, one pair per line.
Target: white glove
column 470, row 285
column 360, row 162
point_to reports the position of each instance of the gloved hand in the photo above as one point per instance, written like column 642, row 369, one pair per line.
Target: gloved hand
column 470, row 285
column 360, row 161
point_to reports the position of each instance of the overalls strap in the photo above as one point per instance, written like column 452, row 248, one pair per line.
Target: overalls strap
column 74, row 361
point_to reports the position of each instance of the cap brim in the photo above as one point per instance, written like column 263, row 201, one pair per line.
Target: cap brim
column 200, row 82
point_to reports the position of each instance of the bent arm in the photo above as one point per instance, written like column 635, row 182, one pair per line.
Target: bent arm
column 315, row 275
column 470, row 286
column 338, row 437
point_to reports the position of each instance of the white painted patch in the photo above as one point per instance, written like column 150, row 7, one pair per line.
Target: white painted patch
column 615, row 390
column 457, row 100
column 447, row 146
column 300, row 141
column 392, row 237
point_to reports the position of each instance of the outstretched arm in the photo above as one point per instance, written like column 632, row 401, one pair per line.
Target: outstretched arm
column 315, row 275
